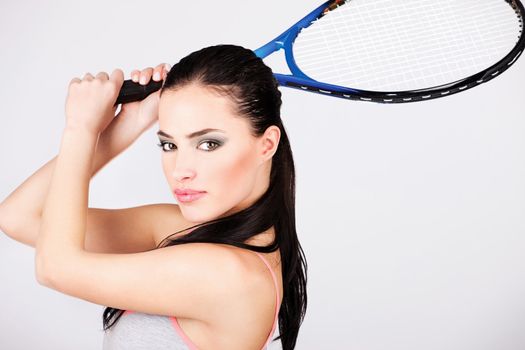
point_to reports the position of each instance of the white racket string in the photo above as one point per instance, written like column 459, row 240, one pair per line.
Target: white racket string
column 399, row 45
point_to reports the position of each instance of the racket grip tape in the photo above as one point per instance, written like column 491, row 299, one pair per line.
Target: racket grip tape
column 131, row 91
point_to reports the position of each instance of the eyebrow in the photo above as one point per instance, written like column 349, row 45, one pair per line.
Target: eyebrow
column 192, row 135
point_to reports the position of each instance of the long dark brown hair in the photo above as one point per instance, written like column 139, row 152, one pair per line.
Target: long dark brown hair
column 244, row 77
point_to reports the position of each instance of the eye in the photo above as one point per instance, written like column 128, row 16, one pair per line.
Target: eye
column 162, row 143
column 217, row 144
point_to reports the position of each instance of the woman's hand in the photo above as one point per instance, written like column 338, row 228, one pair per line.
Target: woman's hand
column 134, row 117
column 145, row 112
column 90, row 100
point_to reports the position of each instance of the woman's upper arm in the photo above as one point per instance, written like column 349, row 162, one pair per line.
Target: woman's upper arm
column 127, row 230
column 130, row 230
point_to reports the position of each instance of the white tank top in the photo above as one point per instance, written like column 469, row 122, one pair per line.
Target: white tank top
column 141, row 331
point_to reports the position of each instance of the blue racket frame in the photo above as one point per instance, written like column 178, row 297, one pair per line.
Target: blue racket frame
column 300, row 80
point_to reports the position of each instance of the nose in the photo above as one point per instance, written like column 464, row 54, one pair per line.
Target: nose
column 183, row 170
column 183, row 176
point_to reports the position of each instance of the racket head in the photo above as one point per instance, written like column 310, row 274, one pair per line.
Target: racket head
column 466, row 42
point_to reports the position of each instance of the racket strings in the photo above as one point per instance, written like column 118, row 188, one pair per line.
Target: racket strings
column 398, row 45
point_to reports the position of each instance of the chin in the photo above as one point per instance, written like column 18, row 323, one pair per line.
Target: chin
column 195, row 215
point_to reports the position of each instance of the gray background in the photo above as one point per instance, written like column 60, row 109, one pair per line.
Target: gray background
column 411, row 216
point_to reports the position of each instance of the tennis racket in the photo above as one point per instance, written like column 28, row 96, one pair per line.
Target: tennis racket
column 393, row 51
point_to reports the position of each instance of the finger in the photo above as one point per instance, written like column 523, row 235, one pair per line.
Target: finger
column 102, row 76
column 166, row 68
column 145, row 75
column 135, row 74
column 118, row 77
column 74, row 80
column 158, row 72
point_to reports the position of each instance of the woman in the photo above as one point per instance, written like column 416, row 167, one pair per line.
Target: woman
column 205, row 286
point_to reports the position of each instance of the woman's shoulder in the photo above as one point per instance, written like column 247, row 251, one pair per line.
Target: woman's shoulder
column 252, row 307
column 262, row 281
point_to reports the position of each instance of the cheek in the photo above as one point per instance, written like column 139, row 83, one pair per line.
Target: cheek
column 238, row 173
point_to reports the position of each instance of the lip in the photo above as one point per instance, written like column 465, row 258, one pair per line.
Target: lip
column 186, row 191
column 187, row 195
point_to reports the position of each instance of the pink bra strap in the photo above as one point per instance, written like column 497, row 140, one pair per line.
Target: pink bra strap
column 276, row 299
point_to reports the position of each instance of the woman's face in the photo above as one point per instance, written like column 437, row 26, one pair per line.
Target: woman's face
column 230, row 165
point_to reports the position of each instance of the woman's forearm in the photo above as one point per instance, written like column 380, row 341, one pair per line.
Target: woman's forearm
column 62, row 232
column 25, row 203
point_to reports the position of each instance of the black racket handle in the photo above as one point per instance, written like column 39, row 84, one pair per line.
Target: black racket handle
column 132, row 91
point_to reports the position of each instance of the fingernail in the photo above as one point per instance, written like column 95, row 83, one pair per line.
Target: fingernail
column 156, row 76
column 143, row 80
column 167, row 66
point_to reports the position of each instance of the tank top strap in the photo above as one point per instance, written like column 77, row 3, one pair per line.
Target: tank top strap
column 276, row 299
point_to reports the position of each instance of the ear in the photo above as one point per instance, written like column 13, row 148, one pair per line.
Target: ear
column 269, row 142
